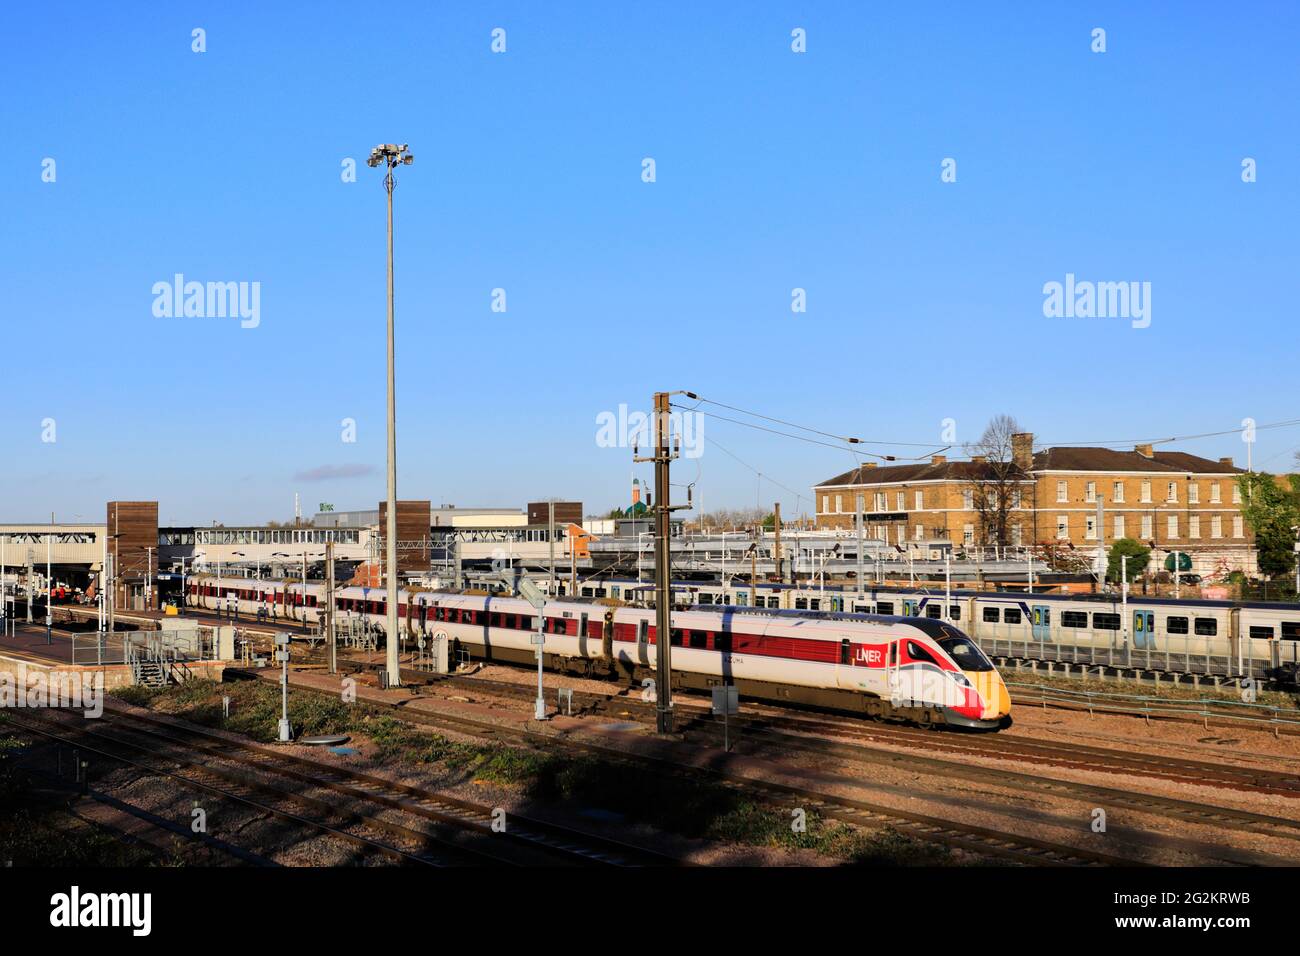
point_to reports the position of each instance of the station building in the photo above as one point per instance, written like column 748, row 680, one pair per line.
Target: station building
column 1170, row 501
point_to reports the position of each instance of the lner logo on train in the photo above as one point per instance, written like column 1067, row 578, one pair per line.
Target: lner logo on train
column 871, row 656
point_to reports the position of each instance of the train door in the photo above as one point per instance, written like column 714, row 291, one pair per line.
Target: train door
column 911, row 607
column 837, row 603
column 892, row 689
column 1042, row 626
column 1144, row 630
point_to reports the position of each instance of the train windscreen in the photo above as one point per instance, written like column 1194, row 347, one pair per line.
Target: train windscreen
column 965, row 654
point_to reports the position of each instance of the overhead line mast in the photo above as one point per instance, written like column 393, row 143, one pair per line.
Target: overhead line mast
column 662, row 509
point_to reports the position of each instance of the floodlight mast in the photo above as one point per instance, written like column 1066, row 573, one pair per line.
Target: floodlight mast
column 391, row 155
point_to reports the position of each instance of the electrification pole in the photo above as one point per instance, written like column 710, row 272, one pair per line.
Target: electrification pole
column 663, row 509
column 391, row 156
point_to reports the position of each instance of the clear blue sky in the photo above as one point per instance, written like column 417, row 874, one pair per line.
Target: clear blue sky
column 774, row 170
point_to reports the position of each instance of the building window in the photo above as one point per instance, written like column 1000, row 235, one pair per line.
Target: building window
column 839, row 503
column 1216, row 526
column 1238, row 531
column 1062, row 493
column 1171, row 495
column 879, row 502
column 899, row 501
column 968, row 534
column 919, row 533
column 1090, row 527
column 1090, row 493
column 1194, row 526
column 920, row 501
column 1214, row 493
column 1236, row 494
column 1062, row 526
column 967, row 499
column 1193, row 493
column 1017, row 535
column 1146, row 526
column 1146, row 490
column 1117, row 492
column 1119, row 527
column 1172, row 526
column 1015, row 497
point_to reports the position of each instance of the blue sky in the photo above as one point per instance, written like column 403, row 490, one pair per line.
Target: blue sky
column 775, row 170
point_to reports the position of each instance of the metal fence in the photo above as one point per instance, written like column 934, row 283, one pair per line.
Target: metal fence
column 1180, row 654
column 124, row 647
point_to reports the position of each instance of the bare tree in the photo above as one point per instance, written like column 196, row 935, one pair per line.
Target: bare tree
column 994, row 479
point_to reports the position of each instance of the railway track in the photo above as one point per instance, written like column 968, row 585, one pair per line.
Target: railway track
column 794, row 728
column 431, row 828
column 980, row 840
column 704, row 729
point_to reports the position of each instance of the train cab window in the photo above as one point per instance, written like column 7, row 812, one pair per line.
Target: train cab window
column 933, row 610
column 844, row 650
column 1261, row 633
column 1291, row 630
column 991, row 615
column 1105, row 622
column 893, row 654
column 1010, row 615
column 642, row 631
column 885, row 607
column 1074, row 619
column 1176, row 625
column 1207, row 626
column 918, row 653
column 965, row 654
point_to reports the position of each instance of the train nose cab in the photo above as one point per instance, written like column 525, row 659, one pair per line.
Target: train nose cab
column 987, row 705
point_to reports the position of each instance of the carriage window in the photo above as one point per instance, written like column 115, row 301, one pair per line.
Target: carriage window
column 1291, row 630
column 990, row 615
column 773, row 602
column 801, row 604
column 1261, row 633
column 933, row 610
column 1176, row 625
column 722, row 642
column 1105, row 622
column 706, row 598
column 699, row 639
column 844, row 650
column 885, row 607
column 1207, row 626
column 918, row 653
column 862, row 608
column 642, row 628
column 1010, row 615
column 675, row 636
column 1074, row 619
column 954, row 613
column 815, row 604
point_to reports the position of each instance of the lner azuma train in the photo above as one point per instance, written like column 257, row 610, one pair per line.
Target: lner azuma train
column 883, row 666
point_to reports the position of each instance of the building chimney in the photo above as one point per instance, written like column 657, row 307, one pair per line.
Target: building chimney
column 869, row 464
column 1144, row 450
column 938, row 459
column 979, row 459
column 636, row 491
column 1227, row 463
column 1022, row 450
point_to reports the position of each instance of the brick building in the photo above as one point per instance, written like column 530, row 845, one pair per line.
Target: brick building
column 1167, row 500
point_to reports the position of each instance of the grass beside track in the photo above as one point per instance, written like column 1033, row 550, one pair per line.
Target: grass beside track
column 700, row 808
